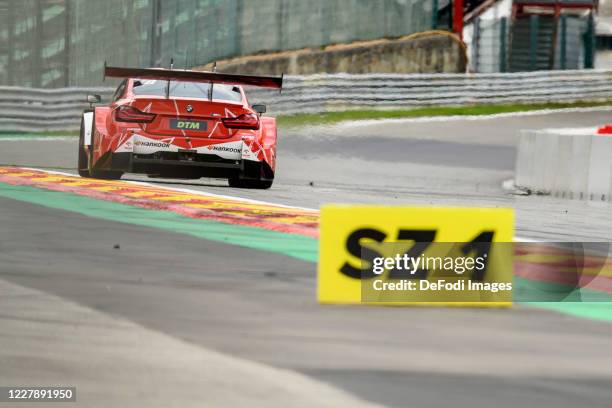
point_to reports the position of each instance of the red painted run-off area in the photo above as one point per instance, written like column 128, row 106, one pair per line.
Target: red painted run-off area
column 188, row 204
column 533, row 261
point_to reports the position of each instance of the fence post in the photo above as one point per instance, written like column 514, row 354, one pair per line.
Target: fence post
column 589, row 43
column 502, row 43
column 434, row 14
column 457, row 10
column 563, row 55
column 130, row 54
column 194, row 7
column 10, row 69
column 155, row 56
column 280, row 25
column 534, row 23
column 238, row 33
column 476, row 46
column 67, row 42
column 37, row 49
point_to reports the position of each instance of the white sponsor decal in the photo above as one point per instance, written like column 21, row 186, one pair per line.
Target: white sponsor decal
column 152, row 144
column 125, row 146
column 145, row 145
column 87, row 127
column 231, row 150
column 223, row 149
column 247, row 153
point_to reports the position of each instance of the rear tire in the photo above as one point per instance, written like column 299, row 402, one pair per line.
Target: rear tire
column 255, row 175
column 246, row 183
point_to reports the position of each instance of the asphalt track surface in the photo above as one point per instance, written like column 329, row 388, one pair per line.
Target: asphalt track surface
column 259, row 307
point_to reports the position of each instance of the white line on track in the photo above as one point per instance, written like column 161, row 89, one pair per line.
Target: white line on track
column 524, row 239
column 186, row 190
column 204, row 193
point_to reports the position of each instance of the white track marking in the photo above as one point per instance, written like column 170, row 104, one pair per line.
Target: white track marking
column 524, row 239
column 183, row 190
column 60, row 173
column 204, row 193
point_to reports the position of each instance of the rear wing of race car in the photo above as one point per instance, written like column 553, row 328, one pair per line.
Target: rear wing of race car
column 194, row 76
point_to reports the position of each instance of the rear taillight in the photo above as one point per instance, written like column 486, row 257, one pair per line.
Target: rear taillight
column 130, row 114
column 244, row 121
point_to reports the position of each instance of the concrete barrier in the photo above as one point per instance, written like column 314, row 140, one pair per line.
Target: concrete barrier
column 425, row 52
column 566, row 163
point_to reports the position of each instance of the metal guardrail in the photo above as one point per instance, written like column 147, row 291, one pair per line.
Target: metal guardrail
column 42, row 110
column 323, row 93
column 30, row 110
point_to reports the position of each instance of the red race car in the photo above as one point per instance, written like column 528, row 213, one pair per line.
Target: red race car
column 180, row 124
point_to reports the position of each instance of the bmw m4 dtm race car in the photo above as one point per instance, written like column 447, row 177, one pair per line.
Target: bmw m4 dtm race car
column 180, row 124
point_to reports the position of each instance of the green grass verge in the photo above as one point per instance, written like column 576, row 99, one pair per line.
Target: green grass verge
column 334, row 117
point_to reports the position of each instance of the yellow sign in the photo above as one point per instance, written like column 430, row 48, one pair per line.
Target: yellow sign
column 363, row 249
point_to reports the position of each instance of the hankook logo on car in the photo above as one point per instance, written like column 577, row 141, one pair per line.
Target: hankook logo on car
column 151, row 144
column 224, row 149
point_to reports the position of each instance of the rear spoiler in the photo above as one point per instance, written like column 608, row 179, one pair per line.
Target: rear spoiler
column 194, row 76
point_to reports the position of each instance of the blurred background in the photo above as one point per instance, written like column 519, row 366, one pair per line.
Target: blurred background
column 59, row 43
